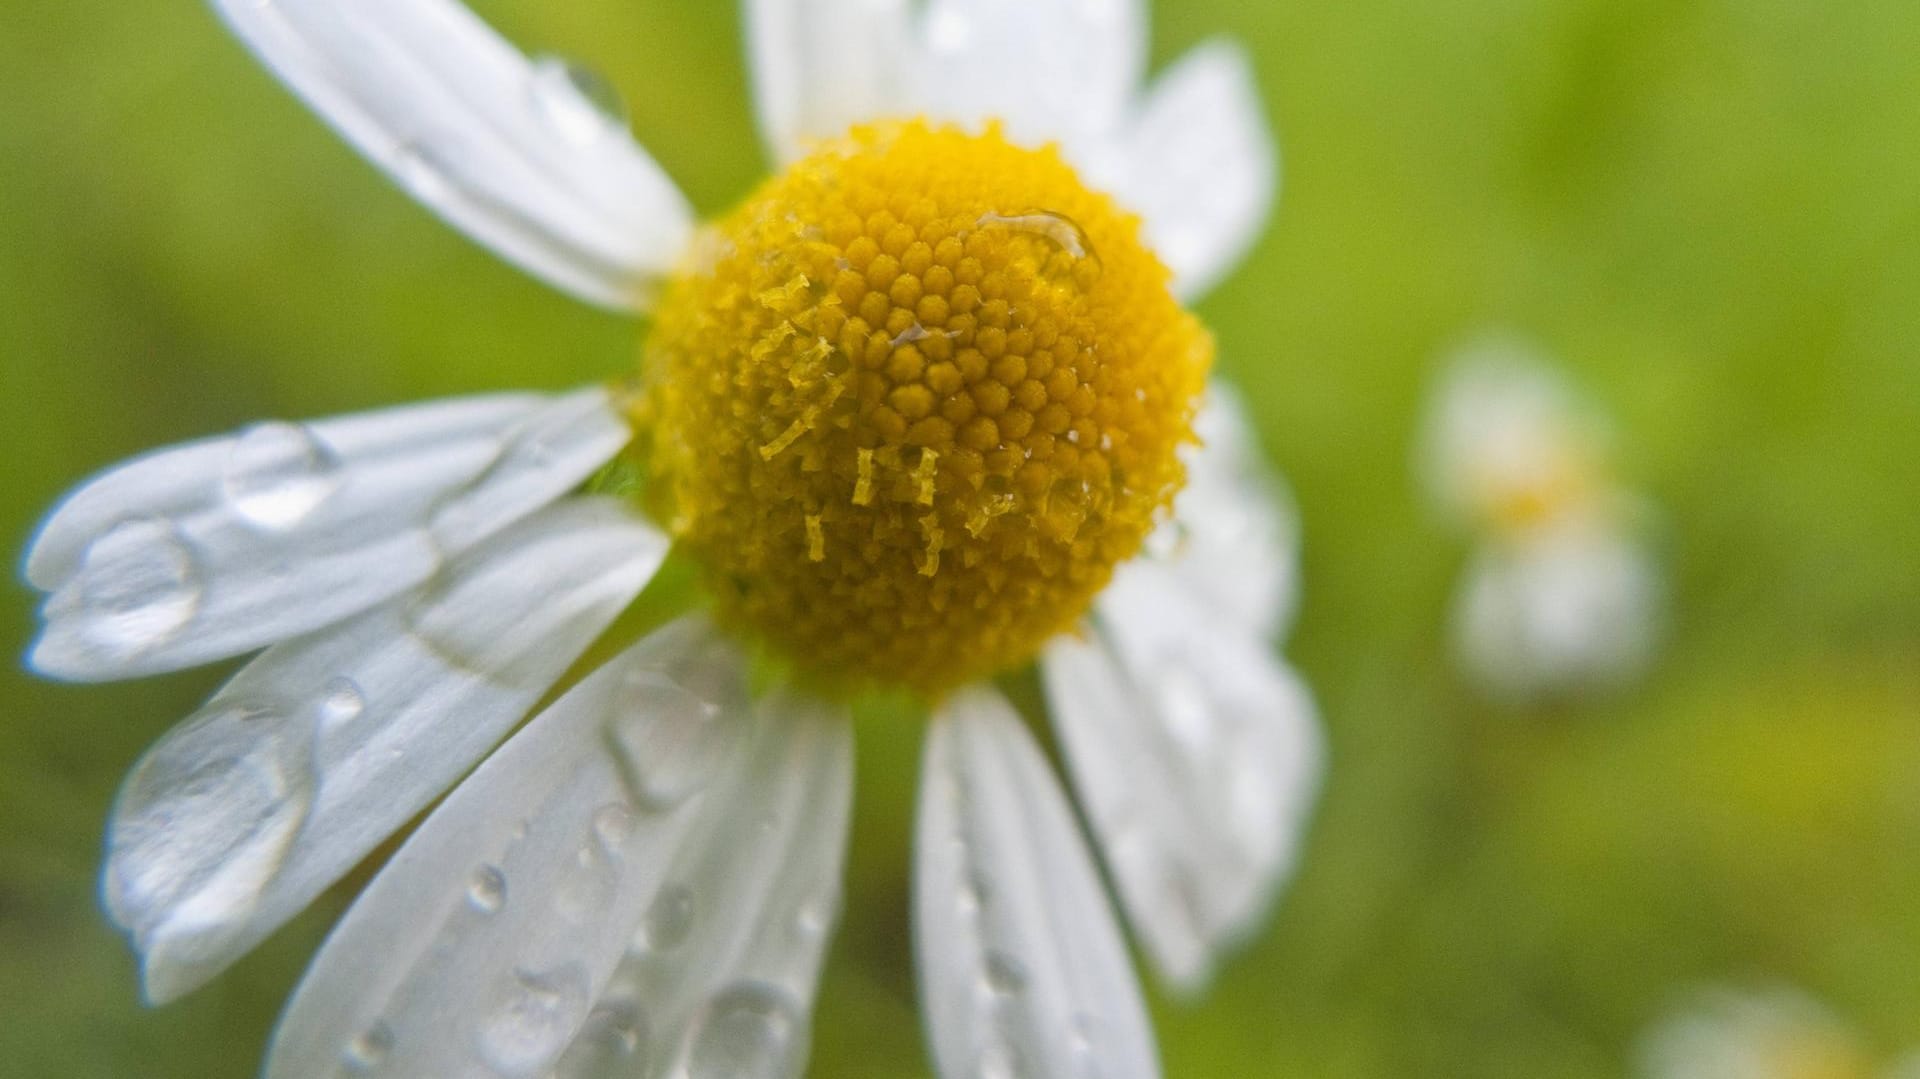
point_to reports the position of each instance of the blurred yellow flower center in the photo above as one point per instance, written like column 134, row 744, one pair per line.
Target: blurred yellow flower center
column 912, row 402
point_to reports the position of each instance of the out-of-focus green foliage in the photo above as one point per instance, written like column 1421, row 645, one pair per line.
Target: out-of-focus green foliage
column 1710, row 209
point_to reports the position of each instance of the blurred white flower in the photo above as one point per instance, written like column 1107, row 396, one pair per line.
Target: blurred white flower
column 1771, row 1033
column 1562, row 593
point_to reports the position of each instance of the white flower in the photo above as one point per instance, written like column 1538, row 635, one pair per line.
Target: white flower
column 644, row 877
column 1562, row 593
column 1772, row 1033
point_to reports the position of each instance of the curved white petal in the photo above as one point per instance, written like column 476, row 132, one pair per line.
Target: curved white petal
column 484, row 946
column 513, row 153
column 1199, row 164
column 1569, row 607
column 219, row 547
column 322, row 747
column 1234, row 537
column 1022, row 969
column 720, row 977
column 1197, row 757
column 1053, row 70
column 821, row 66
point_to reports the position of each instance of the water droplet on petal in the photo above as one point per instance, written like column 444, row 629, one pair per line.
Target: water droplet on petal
column 138, row 586
column 613, row 825
column 669, row 920
column 670, row 740
column 813, row 919
column 367, row 1052
column 615, row 1043
column 487, row 889
column 535, row 1017
column 577, row 102
column 1006, row 975
column 205, row 820
column 278, row 473
column 341, row 702
column 752, row 1030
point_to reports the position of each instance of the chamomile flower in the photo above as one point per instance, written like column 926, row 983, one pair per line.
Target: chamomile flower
column 1772, row 1033
column 924, row 409
column 1562, row 593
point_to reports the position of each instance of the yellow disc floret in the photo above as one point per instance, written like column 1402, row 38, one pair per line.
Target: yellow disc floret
column 913, row 401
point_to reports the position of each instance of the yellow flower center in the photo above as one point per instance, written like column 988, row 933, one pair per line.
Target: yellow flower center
column 912, row 402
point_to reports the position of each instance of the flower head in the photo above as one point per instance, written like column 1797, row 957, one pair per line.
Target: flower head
column 921, row 408
column 1562, row 593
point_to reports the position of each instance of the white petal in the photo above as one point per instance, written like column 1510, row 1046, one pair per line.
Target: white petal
column 1234, row 537
column 511, row 152
column 1022, row 970
column 483, row 946
column 219, row 547
column 1197, row 757
column 1571, row 607
column 1199, row 164
column 821, row 66
column 322, row 747
column 722, row 973
column 1054, row 70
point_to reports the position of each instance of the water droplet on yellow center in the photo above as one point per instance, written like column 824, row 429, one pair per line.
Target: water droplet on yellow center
column 912, row 402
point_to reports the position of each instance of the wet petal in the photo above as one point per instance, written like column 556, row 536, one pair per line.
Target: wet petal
column 1054, row 70
column 1197, row 757
column 512, row 152
column 1022, row 970
column 322, row 747
column 720, row 978
column 821, row 66
column 1234, row 537
column 1199, row 164
column 484, row 947
column 216, row 548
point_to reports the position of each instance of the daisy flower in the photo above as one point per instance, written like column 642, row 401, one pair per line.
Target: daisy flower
column 926, row 408
column 1562, row 593
column 1773, row 1033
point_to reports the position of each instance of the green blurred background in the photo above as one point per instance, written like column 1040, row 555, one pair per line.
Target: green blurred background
column 1709, row 209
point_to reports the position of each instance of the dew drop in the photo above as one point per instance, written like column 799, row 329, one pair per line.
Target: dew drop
column 205, row 820
column 813, row 919
column 341, row 702
column 669, row 920
column 138, row 586
column 278, row 473
column 669, row 739
column 752, row 1030
column 1061, row 233
column 1006, row 976
column 577, row 102
column 534, row 1018
column 442, row 617
column 367, row 1052
column 487, row 889
column 615, row 1043
column 613, row 825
